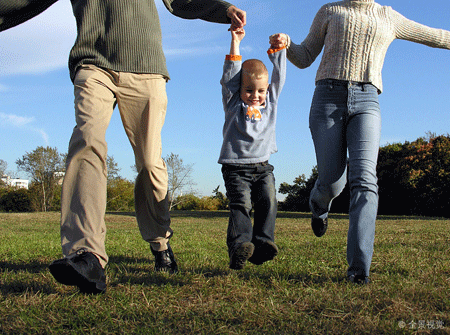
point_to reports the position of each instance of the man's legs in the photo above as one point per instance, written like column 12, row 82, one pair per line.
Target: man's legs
column 142, row 103
column 83, row 198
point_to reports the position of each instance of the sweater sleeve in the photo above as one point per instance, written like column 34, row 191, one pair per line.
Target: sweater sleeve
column 305, row 54
column 409, row 30
column 278, row 59
column 212, row 10
column 231, row 78
column 13, row 12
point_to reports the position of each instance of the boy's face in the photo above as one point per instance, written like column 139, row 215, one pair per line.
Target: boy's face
column 254, row 90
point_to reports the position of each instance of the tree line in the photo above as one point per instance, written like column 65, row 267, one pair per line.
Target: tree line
column 413, row 179
column 46, row 166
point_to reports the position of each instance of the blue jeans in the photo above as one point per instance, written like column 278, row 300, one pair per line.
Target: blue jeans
column 346, row 117
column 249, row 184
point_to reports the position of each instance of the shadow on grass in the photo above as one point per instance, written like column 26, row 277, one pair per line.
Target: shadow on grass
column 304, row 279
column 20, row 286
column 127, row 270
column 135, row 271
column 124, row 270
column 32, row 266
column 300, row 278
column 139, row 271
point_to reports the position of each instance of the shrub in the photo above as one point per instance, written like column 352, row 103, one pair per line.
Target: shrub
column 188, row 202
column 120, row 195
column 209, row 204
column 16, row 200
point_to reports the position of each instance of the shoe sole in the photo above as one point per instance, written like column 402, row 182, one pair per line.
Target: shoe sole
column 319, row 228
column 241, row 255
column 266, row 251
column 66, row 274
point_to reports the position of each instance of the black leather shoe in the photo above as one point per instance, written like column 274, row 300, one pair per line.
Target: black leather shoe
column 264, row 251
column 82, row 270
column 165, row 260
column 240, row 255
column 319, row 226
column 359, row 279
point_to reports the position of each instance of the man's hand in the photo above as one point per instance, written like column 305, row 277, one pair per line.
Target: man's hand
column 278, row 41
column 238, row 17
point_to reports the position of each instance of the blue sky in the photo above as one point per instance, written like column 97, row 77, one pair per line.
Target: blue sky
column 36, row 95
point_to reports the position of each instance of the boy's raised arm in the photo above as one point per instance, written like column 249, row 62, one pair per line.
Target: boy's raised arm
column 231, row 79
column 277, row 55
column 236, row 38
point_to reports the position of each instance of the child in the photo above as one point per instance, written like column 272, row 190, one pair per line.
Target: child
column 250, row 105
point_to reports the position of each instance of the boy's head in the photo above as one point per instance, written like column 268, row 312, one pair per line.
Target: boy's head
column 254, row 82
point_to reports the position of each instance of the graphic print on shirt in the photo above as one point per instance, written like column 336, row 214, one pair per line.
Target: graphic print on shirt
column 253, row 114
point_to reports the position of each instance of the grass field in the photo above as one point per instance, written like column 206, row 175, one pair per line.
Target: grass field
column 303, row 291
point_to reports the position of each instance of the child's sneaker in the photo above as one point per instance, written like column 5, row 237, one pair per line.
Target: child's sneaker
column 240, row 254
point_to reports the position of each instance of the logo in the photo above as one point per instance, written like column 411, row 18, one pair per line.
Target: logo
column 253, row 114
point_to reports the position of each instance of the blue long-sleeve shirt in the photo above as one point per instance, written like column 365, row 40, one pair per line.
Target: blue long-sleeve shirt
column 248, row 140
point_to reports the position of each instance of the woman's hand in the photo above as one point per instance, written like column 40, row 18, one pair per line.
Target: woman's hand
column 278, row 41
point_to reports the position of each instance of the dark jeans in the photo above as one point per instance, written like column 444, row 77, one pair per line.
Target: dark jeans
column 247, row 185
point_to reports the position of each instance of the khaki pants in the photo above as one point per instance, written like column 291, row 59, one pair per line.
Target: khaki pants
column 142, row 102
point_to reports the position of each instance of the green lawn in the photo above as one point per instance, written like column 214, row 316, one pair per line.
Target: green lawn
column 302, row 291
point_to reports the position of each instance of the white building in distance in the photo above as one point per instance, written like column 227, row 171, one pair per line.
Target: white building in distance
column 14, row 182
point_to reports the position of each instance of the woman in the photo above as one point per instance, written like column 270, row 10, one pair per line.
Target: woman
column 345, row 114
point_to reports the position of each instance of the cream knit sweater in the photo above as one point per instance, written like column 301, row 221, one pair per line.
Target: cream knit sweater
column 356, row 35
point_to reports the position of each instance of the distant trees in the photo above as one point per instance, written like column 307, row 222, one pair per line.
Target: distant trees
column 16, row 200
column 190, row 201
column 120, row 191
column 3, row 167
column 297, row 195
column 12, row 199
column 45, row 167
column 222, row 200
column 120, row 195
column 42, row 165
column 112, row 168
column 180, row 178
column 413, row 179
